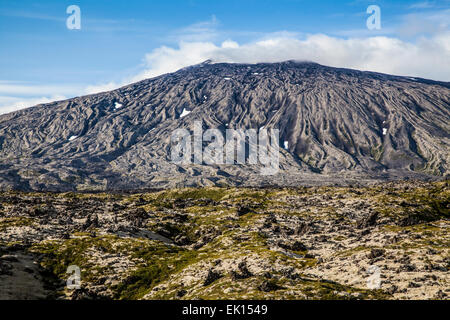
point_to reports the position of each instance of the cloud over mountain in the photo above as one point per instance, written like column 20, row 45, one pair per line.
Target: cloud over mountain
column 425, row 57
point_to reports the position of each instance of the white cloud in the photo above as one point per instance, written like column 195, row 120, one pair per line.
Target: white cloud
column 426, row 57
column 200, row 31
column 10, row 104
column 101, row 87
column 16, row 95
column 18, row 88
column 422, row 5
column 229, row 44
column 165, row 59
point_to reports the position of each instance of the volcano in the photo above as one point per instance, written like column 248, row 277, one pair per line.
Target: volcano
column 335, row 125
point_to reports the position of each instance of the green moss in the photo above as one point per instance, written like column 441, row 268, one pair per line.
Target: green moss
column 328, row 290
column 350, row 252
column 59, row 255
column 10, row 222
column 288, row 289
column 155, row 261
column 160, row 263
column 215, row 194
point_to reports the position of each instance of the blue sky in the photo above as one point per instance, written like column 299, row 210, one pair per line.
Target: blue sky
column 124, row 41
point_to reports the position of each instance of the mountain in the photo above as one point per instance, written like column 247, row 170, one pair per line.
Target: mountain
column 337, row 126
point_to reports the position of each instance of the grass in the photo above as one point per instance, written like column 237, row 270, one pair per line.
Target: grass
column 160, row 264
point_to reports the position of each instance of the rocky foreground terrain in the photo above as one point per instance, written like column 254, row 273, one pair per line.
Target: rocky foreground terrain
column 336, row 125
column 229, row 243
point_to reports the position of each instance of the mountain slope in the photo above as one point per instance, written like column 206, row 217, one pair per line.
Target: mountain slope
column 337, row 123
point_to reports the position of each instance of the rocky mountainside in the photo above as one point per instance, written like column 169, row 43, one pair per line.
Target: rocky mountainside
column 336, row 126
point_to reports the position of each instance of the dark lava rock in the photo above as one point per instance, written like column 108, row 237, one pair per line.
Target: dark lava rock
column 40, row 211
column 322, row 238
column 410, row 220
column 295, row 246
column 243, row 210
column 302, row 229
column 5, row 269
column 243, row 273
column 441, row 295
column 180, row 204
column 290, row 273
column 392, row 289
column 182, row 240
column 84, row 294
column 181, row 293
column 137, row 214
column 117, row 207
column 211, row 277
column 414, row 285
column 268, row 286
column 368, row 221
column 421, row 217
column 65, row 236
column 271, row 219
column 276, row 229
column 28, row 270
column 407, row 268
column 168, row 230
column 287, row 231
column 179, row 217
column 375, row 253
column 91, row 222
column 9, row 258
column 298, row 246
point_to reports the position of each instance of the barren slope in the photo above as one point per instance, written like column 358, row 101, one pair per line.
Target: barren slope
column 340, row 125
